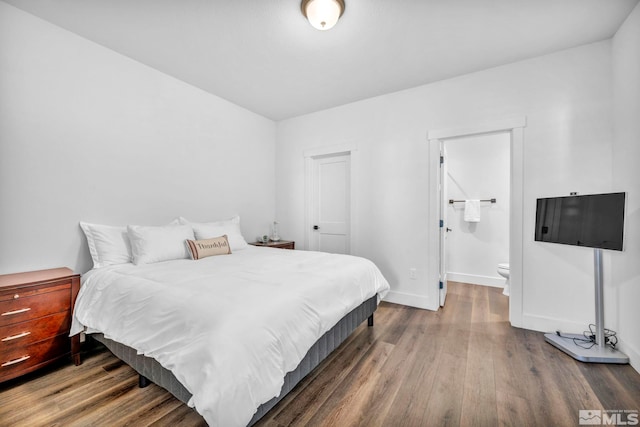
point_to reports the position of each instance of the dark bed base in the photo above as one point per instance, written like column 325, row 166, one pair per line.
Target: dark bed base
column 151, row 371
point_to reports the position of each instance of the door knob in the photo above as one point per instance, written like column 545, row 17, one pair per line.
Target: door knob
column 448, row 229
column 315, row 227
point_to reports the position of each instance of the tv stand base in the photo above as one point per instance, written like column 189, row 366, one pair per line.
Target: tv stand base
column 595, row 354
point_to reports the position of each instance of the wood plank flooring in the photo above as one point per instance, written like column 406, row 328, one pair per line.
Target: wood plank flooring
column 461, row 366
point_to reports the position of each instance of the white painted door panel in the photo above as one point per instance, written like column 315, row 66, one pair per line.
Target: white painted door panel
column 331, row 204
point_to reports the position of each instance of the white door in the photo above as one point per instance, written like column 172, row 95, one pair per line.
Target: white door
column 331, row 204
column 444, row 226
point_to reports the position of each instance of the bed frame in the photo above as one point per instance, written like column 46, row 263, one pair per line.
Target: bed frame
column 150, row 370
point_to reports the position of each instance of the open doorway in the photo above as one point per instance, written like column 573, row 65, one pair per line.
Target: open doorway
column 514, row 128
column 476, row 194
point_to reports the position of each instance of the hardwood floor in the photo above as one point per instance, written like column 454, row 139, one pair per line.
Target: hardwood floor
column 463, row 365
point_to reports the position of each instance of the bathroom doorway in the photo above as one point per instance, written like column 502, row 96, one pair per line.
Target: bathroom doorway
column 513, row 129
column 477, row 170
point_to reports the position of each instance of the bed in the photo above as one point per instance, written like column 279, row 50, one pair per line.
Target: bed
column 229, row 335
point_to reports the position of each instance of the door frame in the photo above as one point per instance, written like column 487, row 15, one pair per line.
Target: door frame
column 515, row 126
column 334, row 150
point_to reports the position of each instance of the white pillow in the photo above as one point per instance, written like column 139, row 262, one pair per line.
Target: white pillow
column 209, row 230
column 108, row 244
column 163, row 243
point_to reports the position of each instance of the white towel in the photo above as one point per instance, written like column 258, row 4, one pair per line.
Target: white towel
column 472, row 210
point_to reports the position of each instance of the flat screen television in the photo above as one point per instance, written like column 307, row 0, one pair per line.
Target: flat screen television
column 593, row 220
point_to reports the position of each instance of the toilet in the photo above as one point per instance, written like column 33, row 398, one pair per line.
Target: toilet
column 503, row 270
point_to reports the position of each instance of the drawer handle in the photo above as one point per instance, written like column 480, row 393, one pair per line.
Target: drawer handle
column 15, row 337
column 9, row 313
column 14, row 361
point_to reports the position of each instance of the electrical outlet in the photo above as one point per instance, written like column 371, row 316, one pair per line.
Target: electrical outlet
column 413, row 274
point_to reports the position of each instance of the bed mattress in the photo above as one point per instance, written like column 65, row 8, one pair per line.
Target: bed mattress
column 152, row 370
column 229, row 328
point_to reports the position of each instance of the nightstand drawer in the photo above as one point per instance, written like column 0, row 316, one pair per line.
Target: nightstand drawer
column 31, row 291
column 32, row 307
column 24, row 333
column 21, row 360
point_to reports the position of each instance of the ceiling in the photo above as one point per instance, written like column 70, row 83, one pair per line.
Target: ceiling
column 264, row 56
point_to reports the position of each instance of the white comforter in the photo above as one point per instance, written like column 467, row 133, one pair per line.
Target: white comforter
column 229, row 327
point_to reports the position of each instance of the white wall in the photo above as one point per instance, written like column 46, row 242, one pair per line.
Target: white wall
column 478, row 168
column 566, row 98
column 88, row 134
column 622, row 293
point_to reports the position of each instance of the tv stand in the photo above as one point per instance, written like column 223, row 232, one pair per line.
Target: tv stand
column 599, row 352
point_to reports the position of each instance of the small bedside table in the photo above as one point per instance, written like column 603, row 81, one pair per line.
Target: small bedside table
column 281, row 244
column 35, row 318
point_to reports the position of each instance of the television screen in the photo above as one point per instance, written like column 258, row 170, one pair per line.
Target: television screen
column 594, row 220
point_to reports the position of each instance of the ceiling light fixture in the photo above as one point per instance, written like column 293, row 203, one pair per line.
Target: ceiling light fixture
column 322, row 14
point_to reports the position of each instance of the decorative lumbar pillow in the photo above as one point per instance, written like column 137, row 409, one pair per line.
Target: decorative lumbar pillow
column 154, row 244
column 208, row 230
column 209, row 247
column 108, row 244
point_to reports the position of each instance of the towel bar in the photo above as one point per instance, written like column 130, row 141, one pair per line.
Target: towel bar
column 451, row 201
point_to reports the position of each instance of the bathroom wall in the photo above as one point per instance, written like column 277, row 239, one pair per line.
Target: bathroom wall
column 478, row 168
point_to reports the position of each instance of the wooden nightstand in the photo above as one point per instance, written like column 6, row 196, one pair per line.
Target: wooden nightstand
column 35, row 318
column 281, row 244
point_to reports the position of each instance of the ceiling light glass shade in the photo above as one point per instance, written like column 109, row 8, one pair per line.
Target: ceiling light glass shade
column 322, row 14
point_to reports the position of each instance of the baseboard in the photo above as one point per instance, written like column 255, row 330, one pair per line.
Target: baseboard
column 633, row 353
column 412, row 300
column 474, row 279
column 551, row 324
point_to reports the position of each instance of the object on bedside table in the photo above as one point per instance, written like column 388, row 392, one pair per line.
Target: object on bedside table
column 275, row 237
column 282, row 244
column 35, row 318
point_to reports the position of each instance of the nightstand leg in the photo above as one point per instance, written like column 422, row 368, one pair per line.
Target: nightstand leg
column 75, row 350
